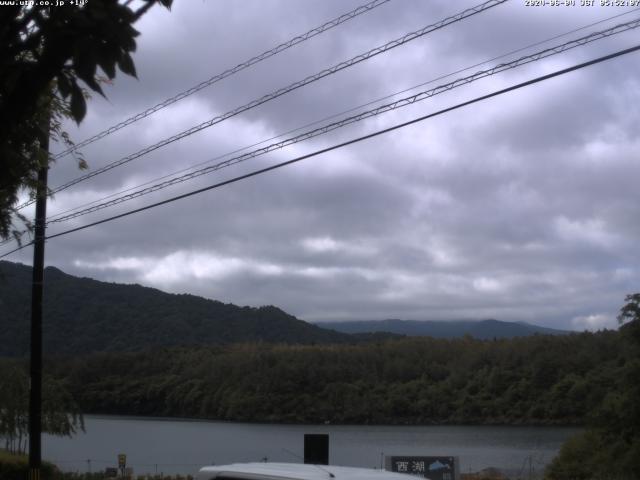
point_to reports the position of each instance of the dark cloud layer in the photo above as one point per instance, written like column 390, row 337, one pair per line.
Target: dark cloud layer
column 524, row 207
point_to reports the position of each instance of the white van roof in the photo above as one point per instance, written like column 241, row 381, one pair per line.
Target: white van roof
column 294, row 471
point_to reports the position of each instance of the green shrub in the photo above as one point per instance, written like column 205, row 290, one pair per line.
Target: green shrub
column 16, row 467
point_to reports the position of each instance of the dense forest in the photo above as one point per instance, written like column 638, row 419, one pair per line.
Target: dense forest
column 289, row 371
column 482, row 329
column 610, row 447
column 85, row 316
column 532, row 380
column 586, row 379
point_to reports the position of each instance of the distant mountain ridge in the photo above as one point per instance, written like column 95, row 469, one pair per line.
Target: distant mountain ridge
column 83, row 315
column 483, row 329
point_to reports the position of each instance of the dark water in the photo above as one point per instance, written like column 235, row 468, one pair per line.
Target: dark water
column 177, row 446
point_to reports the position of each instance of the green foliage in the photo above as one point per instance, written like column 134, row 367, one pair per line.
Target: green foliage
column 484, row 329
column 406, row 381
column 14, row 401
column 84, row 315
column 16, row 467
column 41, row 49
column 629, row 318
column 610, row 447
column 579, row 458
column 100, row 476
column 592, row 455
column 60, row 413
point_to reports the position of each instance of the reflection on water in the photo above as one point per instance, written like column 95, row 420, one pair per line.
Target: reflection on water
column 179, row 446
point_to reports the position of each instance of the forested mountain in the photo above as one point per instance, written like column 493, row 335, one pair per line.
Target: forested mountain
column 84, row 315
column 485, row 329
column 183, row 356
column 540, row 379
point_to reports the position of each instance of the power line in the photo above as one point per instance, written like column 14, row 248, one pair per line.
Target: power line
column 359, row 117
column 271, row 96
column 227, row 73
column 24, row 245
column 349, row 142
column 613, row 30
column 356, row 140
column 336, row 115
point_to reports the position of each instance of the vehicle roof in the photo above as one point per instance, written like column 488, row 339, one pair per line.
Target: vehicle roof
column 294, row 471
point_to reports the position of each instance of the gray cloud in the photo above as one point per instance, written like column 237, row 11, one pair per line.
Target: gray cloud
column 520, row 208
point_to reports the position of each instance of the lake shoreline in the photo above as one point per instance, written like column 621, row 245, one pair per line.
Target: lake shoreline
column 399, row 424
column 183, row 446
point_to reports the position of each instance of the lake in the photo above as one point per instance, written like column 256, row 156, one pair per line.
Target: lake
column 173, row 446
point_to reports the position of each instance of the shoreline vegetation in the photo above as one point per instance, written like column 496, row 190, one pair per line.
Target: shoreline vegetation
column 541, row 380
column 15, row 467
column 588, row 379
column 310, row 424
column 531, row 381
column 128, row 318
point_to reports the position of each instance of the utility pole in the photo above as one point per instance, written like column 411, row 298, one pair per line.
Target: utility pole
column 35, row 366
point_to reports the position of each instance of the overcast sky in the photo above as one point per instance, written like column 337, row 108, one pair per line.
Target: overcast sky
column 522, row 208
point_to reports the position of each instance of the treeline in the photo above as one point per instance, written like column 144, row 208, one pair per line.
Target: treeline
column 16, row 467
column 539, row 380
column 84, row 316
column 610, row 447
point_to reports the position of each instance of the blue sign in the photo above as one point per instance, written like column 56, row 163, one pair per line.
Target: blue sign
column 431, row 468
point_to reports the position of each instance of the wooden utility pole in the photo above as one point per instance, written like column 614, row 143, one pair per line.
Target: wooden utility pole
column 35, row 391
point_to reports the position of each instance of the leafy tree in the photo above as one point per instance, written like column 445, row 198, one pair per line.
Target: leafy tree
column 86, row 315
column 629, row 318
column 402, row 380
column 16, row 467
column 441, row 381
column 60, row 413
column 45, row 52
column 610, row 448
column 14, row 399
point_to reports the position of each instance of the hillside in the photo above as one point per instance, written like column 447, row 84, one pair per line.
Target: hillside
column 535, row 380
column 84, row 315
column 483, row 330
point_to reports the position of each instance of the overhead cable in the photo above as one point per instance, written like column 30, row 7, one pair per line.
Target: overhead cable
column 344, row 144
column 227, row 73
column 359, row 117
column 271, row 96
column 337, row 115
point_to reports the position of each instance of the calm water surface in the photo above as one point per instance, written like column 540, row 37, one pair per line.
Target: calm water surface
column 179, row 446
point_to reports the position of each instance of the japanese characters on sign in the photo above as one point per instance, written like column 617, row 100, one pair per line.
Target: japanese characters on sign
column 432, row 468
